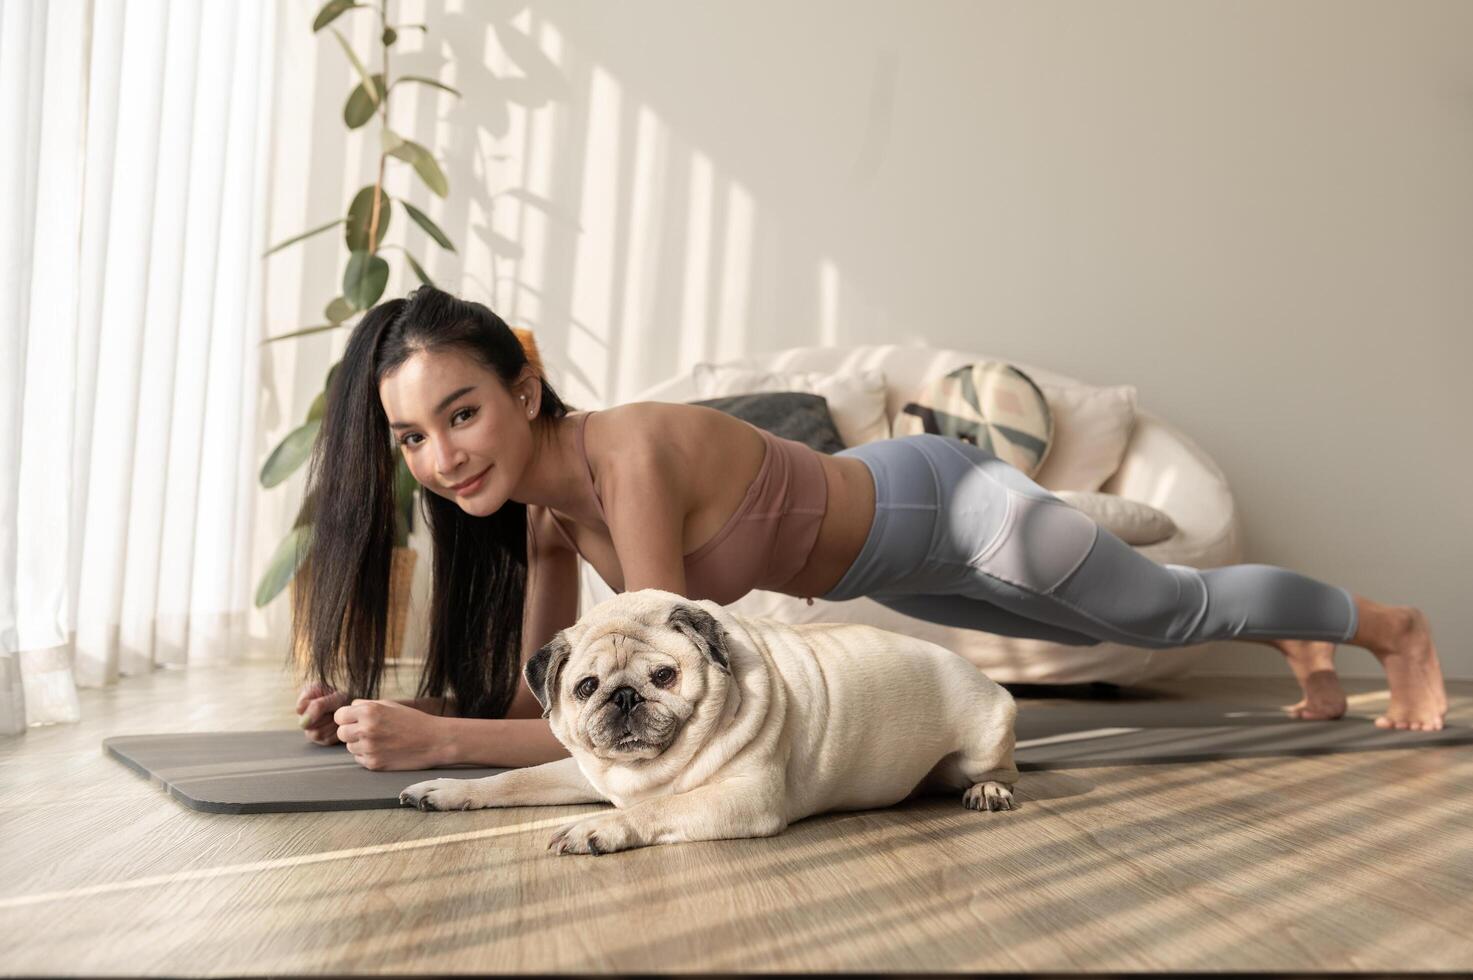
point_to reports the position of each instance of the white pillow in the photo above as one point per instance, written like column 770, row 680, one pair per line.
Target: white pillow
column 856, row 398
column 1129, row 520
column 1092, row 426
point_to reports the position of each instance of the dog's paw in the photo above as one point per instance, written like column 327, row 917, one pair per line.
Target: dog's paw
column 442, row 794
column 988, row 796
column 603, row 834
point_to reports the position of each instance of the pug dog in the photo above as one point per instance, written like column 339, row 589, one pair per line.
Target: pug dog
column 700, row 724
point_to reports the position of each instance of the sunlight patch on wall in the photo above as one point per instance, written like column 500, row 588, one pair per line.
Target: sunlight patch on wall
column 828, row 302
column 695, row 301
column 736, row 271
column 642, row 271
column 598, row 246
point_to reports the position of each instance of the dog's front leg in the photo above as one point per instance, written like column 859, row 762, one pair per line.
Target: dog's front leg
column 550, row 784
column 732, row 808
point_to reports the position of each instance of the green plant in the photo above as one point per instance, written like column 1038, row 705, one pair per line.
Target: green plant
column 364, row 280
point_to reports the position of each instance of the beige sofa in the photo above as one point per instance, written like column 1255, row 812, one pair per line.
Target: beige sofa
column 1160, row 467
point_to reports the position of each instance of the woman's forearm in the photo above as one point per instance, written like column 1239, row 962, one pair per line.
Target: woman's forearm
column 504, row 742
column 431, row 706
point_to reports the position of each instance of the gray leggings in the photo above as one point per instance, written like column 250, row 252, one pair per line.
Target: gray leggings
column 962, row 538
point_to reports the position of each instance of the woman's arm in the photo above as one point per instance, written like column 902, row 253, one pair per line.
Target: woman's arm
column 551, row 602
column 503, row 742
column 431, row 706
column 524, row 737
column 646, row 504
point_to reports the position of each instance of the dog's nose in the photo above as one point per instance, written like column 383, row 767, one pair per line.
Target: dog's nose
column 626, row 698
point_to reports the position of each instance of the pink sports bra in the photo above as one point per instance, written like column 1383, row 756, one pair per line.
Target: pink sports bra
column 778, row 521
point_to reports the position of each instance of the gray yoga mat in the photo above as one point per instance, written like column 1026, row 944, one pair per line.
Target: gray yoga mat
column 280, row 771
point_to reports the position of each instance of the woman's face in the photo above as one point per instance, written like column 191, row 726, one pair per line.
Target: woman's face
column 454, row 421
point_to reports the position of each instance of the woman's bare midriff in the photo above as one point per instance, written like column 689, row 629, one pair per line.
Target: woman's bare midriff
column 723, row 457
column 841, row 535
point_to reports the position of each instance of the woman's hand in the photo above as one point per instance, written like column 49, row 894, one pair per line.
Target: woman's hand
column 388, row 735
column 316, row 704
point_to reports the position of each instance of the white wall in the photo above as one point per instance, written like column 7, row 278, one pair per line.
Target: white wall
column 1261, row 214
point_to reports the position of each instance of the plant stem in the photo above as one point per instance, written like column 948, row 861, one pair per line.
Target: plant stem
column 378, row 188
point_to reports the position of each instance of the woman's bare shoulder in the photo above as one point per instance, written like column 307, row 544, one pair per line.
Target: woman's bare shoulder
column 665, row 426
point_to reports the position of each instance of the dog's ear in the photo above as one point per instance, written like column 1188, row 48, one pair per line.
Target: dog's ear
column 545, row 667
column 704, row 631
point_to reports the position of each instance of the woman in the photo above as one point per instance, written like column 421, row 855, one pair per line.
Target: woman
column 688, row 499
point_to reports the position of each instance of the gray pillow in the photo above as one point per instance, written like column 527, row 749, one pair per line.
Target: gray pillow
column 796, row 415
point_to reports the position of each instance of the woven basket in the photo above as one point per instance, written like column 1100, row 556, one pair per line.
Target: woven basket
column 401, row 576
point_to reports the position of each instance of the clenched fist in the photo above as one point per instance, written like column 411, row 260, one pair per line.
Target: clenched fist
column 390, row 735
column 316, row 704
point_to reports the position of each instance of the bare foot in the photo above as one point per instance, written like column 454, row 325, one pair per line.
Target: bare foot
column 1313, row 663
column 1413, row 672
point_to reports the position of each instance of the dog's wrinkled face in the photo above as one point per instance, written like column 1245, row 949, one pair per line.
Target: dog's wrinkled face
column 624, row 690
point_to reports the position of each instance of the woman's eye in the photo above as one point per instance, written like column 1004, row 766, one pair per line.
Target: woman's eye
column 405, row 441
column 586, row 687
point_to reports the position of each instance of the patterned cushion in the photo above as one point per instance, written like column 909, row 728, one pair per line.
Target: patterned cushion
column 798, row 415
column 992, row 405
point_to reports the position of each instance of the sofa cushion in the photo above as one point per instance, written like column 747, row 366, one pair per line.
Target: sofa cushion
column 1129, row 520
column 856, row 399
column 1092, row 427
column 798, row 415
column 992, row 405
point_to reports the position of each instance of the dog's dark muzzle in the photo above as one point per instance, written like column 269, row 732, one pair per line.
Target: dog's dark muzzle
column 627, row 698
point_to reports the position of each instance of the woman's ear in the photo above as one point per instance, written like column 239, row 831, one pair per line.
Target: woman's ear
column 528, row 390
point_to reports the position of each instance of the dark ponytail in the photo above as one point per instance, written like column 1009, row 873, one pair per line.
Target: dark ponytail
column 340, row 604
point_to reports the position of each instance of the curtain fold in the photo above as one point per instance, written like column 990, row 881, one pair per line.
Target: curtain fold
column 132, row 221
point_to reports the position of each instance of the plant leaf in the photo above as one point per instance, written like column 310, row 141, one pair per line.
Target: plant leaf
column 418, row 271
column 431, row 229
column 360, row 213
column 424, row 81
column 319, row 406
column 390, row 36
column 389, row 140
column 300, row 333
column 424, row 165
column 373, row 91
column 283, row 564
column 287, row 456
column 330, row 12
column 307, row 512
column 364, row 279
column 360, row 106
column 339, row 310
column 305, row 234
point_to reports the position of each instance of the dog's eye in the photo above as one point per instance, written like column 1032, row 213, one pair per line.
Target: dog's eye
column 664, row 675
column 586, row 687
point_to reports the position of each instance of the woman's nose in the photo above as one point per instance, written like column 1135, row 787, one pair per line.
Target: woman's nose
column 450, row 461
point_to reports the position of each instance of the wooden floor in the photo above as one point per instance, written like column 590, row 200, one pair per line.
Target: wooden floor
column 1355, row 862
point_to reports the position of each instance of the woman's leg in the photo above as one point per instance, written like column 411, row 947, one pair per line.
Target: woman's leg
column 996, row 536
column 1401, row 639
column 1313, row 664
column 963, row 612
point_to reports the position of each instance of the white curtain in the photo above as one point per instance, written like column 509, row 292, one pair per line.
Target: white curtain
column 132, row 222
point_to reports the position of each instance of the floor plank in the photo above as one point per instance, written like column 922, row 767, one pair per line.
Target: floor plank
column 1362, row 861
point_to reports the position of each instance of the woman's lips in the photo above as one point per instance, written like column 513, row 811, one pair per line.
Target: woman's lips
column 473, row 484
